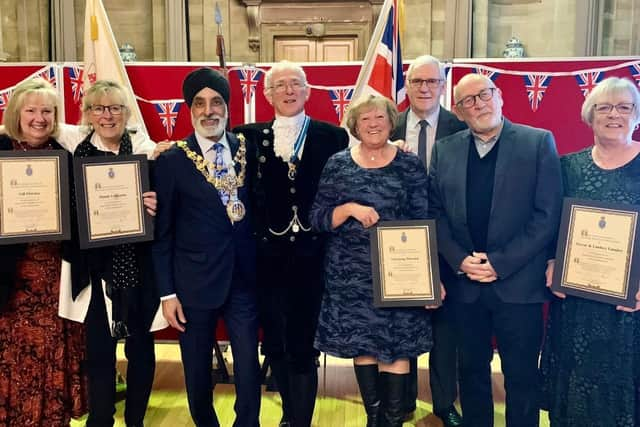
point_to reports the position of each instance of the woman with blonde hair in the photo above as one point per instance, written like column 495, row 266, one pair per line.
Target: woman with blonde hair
column 41, row 381
column 114, row 284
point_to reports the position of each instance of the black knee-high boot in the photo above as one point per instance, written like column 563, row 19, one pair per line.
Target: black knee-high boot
column 280, row 370
column 303, row 388
column 392, row 392
column 367, row 376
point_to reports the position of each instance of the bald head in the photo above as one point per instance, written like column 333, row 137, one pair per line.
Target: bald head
column 478, row 102
column 469, row 80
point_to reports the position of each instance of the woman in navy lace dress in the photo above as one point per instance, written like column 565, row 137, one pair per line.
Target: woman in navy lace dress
column 370, row 182
column 591, row 358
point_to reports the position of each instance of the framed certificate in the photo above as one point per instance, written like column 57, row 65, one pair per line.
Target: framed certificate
column 404, row 259
column 34, row 196
column 109, row 200
column 598, row 250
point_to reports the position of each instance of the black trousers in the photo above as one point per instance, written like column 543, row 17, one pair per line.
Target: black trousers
column 101, row 367
column 196, row 345
column 289, row 296
column 518, row 331
column 443, row 364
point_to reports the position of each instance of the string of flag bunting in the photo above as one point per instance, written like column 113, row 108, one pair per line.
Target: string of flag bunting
column 535, row 84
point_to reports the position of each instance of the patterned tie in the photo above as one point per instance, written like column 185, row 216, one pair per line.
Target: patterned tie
column 422, row 142
column 221, row 171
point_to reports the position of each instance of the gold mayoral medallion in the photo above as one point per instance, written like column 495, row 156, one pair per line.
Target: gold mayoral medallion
column 236, row 210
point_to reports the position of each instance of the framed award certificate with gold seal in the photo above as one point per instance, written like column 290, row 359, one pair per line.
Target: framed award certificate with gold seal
column 34, row 196
column 404, row 261
column 597, row 252
column 109, row 200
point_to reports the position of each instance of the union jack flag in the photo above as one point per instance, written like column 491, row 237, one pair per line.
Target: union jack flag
column 635, row 72
column 249, row 78
column 493, row 75
column 382, row 72
column 168, row 113
column 536, row 85
column 341, row 99
column 76, row 77
column 4, row 99
column 587, row 81
column 49, row 74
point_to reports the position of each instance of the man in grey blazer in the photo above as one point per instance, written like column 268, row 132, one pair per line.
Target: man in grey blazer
column 425, row 119
column 495, row 191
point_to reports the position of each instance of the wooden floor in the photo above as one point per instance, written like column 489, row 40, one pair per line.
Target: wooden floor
column 338, row 403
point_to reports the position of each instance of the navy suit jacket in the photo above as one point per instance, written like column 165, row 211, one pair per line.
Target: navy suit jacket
column 198, row 253
column 525, row 211
column 448, row 124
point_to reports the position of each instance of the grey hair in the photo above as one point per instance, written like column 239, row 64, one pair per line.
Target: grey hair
column 425, row 60
column 283, row 66
column 608, row 88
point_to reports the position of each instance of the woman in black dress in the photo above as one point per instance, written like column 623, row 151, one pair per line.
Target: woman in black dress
column 591, row 357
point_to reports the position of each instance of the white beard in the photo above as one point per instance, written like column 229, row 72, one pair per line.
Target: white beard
column 285, row 134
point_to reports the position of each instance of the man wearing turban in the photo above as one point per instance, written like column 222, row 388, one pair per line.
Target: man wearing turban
column 204, row 252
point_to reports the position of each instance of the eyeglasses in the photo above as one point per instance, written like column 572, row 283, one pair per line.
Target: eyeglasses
column 280, row 87
column 431, row 83
column 470, row 101
column 115, row 109
column 622, row 108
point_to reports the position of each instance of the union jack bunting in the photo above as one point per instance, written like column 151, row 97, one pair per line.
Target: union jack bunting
column 168, row 113
column 635, row 72
column 4, row 99
column 536, row 85
column 49, row 74
column 341, row 99
column 249, row 78
column 587, row 81
column 76, row 78
column 493, row 75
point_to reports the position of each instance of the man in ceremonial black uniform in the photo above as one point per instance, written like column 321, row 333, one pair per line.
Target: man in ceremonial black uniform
column 292, row 150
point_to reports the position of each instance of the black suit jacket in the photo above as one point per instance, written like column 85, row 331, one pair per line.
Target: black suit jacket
column 198, row 252
column 276, row 195
column 525, row 211
column 448, row 124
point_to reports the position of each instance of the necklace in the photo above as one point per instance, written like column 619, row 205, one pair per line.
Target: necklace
column 228, row 182
column 24, row 146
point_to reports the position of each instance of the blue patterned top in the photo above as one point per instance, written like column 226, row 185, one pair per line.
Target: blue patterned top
column 349, row 324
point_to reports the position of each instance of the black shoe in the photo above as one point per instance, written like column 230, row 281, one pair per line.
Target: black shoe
column 408, row 415
column 450, row 417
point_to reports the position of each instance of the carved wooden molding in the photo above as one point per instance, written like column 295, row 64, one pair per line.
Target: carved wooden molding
column 253, row 19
